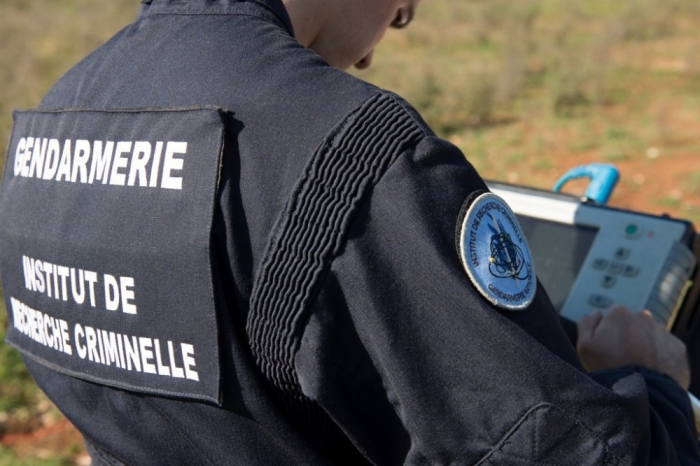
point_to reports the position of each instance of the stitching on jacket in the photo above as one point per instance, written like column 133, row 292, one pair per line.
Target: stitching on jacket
column 312, row 230
column 610, row 457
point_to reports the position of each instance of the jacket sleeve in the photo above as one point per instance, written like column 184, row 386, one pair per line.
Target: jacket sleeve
column 415, row 366
column 669, row 412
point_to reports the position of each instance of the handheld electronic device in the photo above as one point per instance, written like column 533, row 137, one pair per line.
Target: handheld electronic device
column 589, row 256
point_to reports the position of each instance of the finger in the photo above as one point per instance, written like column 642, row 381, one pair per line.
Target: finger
column 618, row 313
column 650, row 322
column 587, row 326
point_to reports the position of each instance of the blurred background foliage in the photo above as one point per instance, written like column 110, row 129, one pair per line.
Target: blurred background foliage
column 526, row 88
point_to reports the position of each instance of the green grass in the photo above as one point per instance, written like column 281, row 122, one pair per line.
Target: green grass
column 10, row 458
column 19, row 396
column 691, row 183
column 587, row 78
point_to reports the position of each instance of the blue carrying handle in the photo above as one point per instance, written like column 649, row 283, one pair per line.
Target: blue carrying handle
column 603, row 176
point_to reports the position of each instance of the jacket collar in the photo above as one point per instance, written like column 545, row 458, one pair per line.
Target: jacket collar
column 273, row 9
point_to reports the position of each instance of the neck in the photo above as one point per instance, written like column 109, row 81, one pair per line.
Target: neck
column 307, row 18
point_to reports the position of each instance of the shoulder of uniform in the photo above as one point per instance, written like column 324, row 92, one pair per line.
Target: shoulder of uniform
column 381, row 127
column 411, row 112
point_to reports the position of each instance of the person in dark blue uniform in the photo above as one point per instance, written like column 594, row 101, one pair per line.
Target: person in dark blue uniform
column 359, row 315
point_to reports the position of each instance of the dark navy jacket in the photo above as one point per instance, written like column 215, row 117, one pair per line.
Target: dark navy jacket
column 349, row 331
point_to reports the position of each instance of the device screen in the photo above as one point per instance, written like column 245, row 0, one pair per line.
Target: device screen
column 558, row 251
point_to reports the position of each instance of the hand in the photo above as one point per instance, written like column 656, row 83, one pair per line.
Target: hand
column 624, row 338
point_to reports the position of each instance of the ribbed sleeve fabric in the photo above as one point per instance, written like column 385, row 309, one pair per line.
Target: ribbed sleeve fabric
column 311, row 232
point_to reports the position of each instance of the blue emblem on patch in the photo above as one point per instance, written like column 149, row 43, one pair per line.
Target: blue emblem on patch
column 495, row 254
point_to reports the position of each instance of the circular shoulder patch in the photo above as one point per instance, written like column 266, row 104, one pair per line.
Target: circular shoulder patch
column 495, row 254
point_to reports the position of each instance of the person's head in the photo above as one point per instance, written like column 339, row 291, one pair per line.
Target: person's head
column 345, row 32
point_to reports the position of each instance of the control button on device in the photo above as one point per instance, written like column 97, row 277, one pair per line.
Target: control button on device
column 633, row 230
column 630, row 271
column 622, row 254
column 600, row 264
column 608, row 281
column 599, row 301
column 616, row 267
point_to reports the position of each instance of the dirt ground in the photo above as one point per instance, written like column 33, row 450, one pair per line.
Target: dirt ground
column 57, row 439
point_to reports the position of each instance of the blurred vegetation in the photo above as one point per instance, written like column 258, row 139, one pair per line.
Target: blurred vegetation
column 9, row 458
column 525, row 88
column 528, row 89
